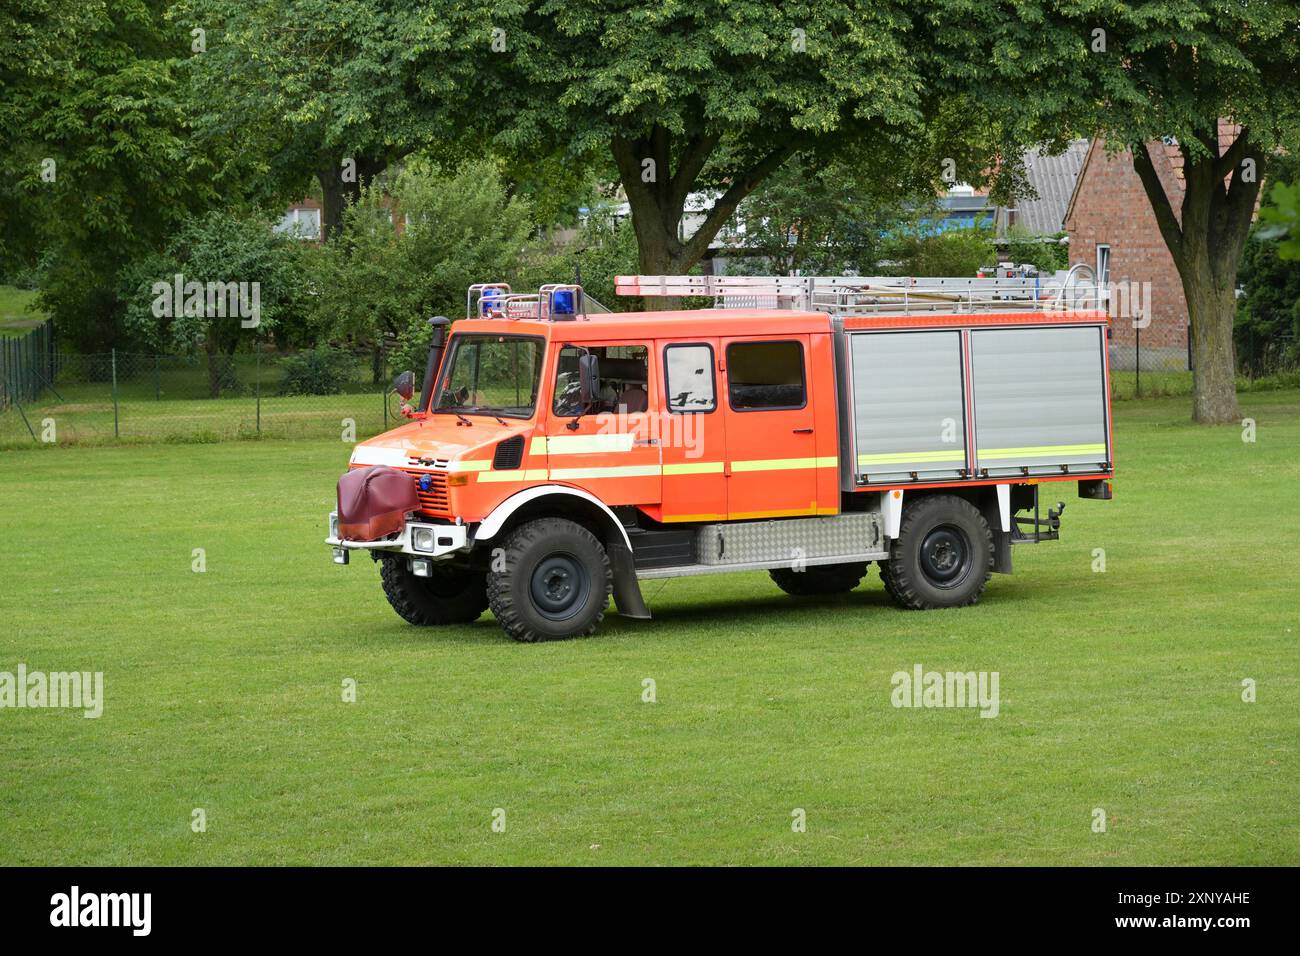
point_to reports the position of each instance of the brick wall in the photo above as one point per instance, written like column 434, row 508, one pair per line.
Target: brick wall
column 1110, row 207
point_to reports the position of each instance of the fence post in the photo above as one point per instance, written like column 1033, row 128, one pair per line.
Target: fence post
column 257, row 384
column 114, row 361
column 1137, row 347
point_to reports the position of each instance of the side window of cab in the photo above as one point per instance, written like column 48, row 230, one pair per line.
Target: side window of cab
column 624, row 380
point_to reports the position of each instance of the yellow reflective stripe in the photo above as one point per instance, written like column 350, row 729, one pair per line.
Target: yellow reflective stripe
column 703, row 517
column 694, row 468
column 514, row 474
column 616, row 471
column 469, row 465
column 905, row 457
column 782, row 464
column 1041, row 451
column 537, row 446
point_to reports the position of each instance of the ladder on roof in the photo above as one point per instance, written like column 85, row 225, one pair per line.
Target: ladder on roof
column 846, row 296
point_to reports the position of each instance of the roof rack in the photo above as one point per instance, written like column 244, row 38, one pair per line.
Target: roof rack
column 846, row 296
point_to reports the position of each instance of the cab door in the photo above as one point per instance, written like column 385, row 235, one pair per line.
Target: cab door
column 771, row 439
column 692, row 432
column 612, row 449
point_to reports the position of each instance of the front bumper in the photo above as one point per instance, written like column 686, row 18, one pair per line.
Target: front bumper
column 437, row 540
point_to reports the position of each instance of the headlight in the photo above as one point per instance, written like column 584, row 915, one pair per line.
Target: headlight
column 334, row 525
column 422, row 539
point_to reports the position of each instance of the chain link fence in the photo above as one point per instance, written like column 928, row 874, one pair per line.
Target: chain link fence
column 132, row 397
column 56, row 398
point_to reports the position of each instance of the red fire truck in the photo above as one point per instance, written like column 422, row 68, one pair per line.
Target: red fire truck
column 807, row 426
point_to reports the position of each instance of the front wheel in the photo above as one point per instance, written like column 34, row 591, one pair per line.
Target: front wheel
column 450, row 595
column 942, row 557
column 552, row 580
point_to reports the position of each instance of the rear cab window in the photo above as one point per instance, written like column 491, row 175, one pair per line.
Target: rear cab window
column 765, row 375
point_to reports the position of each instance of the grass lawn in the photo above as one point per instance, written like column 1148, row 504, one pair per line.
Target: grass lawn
column 15, row 319
column 1119, row 690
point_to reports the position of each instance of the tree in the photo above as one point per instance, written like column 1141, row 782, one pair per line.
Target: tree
column 341, row 91
column 1146, row 76
column 222, row 282
column 459, row 228
column 93, row 145
column 823, row 221
column 699, row 96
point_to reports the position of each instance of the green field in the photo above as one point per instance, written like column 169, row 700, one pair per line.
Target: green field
column 1119, row 690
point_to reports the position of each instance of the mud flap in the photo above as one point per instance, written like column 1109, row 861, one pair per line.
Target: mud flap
column 1002, row 552
column 627, row 590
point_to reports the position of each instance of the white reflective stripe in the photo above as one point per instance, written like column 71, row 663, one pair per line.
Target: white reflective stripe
column 695, row 468
column 514, row 474
column 906, row 457
column 393, row 457
column 582, row 444
column 617, row 471
column 469, row 465
column 781, row 464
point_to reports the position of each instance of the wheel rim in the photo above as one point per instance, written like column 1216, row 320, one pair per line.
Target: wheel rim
column 559, row 586
column 946, row 556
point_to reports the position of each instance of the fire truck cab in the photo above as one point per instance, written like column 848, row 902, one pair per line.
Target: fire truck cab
column 560, row 453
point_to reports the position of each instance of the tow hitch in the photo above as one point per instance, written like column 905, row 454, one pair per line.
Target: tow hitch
column 1028, row 530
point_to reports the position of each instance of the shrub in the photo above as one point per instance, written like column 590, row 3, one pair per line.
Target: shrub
column 319, row 371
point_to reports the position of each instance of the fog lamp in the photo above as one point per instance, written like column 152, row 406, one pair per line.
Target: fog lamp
column 340, row 555
column 422, row 567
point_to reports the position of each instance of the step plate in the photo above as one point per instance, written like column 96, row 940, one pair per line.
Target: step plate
column 789, row 539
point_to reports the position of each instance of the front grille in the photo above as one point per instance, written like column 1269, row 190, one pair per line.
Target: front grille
column 433, row 502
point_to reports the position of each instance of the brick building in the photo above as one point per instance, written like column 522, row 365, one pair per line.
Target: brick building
column 1112, row 228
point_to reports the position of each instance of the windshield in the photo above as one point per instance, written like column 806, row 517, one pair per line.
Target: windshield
column 491, row 375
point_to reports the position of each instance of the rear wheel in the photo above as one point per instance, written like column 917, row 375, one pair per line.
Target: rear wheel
column 942, row 557
column 819, row 579
column 554, row 581
column 450, row 595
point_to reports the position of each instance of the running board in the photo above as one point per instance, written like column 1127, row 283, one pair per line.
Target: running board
column 685, row 570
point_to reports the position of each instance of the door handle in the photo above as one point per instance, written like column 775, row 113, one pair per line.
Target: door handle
column 803, row 431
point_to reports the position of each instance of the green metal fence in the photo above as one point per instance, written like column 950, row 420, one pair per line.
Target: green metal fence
column 134, row 397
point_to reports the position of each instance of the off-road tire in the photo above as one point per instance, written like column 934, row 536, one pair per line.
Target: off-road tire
column 819, row 579
column 453, row 595
column 884, row 579
column 552, row 580
column 942, row 557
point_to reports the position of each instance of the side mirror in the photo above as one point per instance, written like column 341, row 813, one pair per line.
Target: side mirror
column 404, row 385
column 588, row 378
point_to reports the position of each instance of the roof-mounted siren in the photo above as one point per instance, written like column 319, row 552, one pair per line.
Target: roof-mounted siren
column 486, row 300
column 562, row 302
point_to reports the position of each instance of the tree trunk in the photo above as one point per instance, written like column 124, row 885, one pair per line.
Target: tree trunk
column 657, row 195
column 1206, row 236
column 1211, row 311
column 341, row 184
